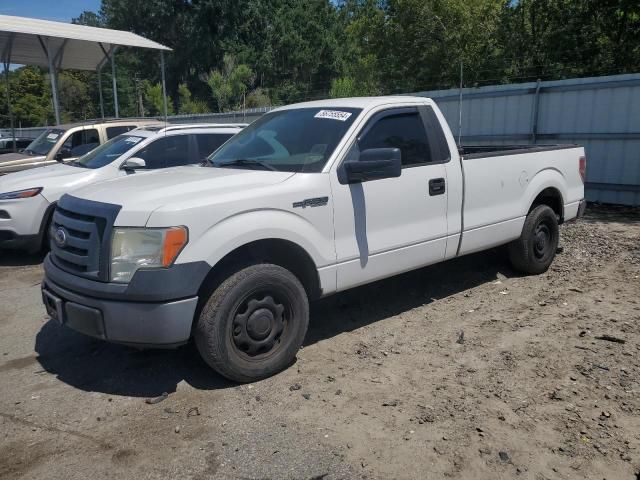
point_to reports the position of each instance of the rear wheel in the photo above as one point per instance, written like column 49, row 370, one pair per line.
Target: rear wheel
column 254, row 323
column 536, row 248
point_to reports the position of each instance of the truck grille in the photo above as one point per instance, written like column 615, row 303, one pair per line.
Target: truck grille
column 81, row 235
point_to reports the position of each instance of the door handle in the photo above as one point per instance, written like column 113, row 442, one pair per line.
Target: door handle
column 437, row 186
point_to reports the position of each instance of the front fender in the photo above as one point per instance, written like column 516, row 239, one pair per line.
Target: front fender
column 246, row 227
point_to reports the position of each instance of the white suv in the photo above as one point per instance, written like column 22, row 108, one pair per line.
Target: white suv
column 28, row 198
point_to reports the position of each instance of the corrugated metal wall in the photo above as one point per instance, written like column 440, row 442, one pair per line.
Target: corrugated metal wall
column 603, row 114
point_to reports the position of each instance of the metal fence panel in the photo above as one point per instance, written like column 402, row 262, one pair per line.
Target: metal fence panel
column 602, row 113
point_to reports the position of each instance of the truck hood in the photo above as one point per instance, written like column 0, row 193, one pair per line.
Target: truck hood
column 175, row 188
column 8, row 158
column 53, row 176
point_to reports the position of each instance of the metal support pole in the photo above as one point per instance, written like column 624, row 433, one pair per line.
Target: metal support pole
column 7, row 62
column 115, row 86
column 460, row 109
column 164, row 86
column 99, row 72
column 54, row 85
column 534, row 116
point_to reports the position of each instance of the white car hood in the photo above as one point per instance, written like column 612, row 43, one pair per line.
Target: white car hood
column 175, row 188
column 53, row 180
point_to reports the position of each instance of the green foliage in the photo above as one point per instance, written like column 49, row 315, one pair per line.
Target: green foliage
column 258, row 98
column 153, row 99
column 186, row 103
column 346, row 87
column 230, row 85
column 73, row 94
column 30, row 98
column 227, row 54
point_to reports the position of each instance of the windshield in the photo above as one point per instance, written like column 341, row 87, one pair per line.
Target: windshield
column 107, row 152
column 45, row 142
column 297, row 140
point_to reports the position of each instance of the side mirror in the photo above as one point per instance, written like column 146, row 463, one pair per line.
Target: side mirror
column 374, row 164
column 133, row 163
column 63, row 154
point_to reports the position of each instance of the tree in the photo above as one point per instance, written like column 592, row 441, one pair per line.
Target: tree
column 154, row 100
column 187, row 104
column 73, row 94
column 30, row 98
column 229, row 85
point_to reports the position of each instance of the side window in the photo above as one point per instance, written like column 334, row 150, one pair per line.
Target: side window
column 118, row 130
column 404, row 131
column 209, row 143
column 81, row 142
column 171, row 151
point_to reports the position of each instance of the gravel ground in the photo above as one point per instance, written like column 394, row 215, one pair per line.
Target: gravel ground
column 460, row 370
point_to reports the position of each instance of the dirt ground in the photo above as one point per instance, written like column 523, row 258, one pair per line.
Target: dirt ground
column 461, row 370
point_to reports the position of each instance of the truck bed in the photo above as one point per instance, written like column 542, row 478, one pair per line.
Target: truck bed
column 480, row 151
column 501, row 183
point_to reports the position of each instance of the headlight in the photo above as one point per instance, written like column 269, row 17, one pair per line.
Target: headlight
column 134, row 248
column 29, row 192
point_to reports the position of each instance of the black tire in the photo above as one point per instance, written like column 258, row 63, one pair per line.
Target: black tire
column 536, row 248
column 254, row 323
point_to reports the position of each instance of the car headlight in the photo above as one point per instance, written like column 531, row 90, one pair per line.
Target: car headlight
column 28, row 193
column 135, row 248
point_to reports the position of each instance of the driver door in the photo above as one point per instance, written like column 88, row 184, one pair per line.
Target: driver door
column 392, row 225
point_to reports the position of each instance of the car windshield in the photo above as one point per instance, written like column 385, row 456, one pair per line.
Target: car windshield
column 107, row 152
column 43, row 144
column 297, row 140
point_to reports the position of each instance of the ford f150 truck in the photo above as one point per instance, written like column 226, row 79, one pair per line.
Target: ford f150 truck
column 309, row 200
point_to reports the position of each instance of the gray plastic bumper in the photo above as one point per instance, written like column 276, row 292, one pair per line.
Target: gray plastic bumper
column 158, row 324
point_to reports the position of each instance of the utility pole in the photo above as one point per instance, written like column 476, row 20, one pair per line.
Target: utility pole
column 139, row 95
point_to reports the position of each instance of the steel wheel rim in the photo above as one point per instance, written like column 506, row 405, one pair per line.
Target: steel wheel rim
column 542, row 240
column 260, row 324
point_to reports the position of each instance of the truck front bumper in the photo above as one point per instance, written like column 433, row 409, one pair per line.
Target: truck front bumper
column 101, row 312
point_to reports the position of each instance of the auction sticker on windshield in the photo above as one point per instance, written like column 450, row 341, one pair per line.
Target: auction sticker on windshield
column 53, row 136
column 132, row 139
column 333, row 115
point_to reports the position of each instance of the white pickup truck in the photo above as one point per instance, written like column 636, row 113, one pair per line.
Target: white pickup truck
column 309, row 200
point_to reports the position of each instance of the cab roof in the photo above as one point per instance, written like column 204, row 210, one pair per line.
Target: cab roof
column 356, row 102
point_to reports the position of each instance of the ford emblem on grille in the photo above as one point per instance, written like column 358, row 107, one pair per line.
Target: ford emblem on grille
column 60, row 237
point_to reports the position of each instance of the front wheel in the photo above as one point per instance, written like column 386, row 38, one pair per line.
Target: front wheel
column 536, row 248
column 254, row 323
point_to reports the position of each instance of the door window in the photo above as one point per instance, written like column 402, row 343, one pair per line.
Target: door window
column 209, row 143
column 118, row 130
column 81, row 142
column 403, row 130
column 171, row 151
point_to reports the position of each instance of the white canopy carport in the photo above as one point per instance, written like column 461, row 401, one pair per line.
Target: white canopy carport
column 56, row 45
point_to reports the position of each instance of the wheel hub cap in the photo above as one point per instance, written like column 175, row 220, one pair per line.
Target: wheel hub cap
column 259, row 327
column 259, row 324
column 542, row 239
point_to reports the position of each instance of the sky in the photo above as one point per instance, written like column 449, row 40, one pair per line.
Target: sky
column 58, row 10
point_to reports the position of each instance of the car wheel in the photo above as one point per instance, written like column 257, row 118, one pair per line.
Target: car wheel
column 536, row 248
column 254, row 323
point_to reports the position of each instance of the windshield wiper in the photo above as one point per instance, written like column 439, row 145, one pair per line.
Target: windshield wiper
column 242, row 162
